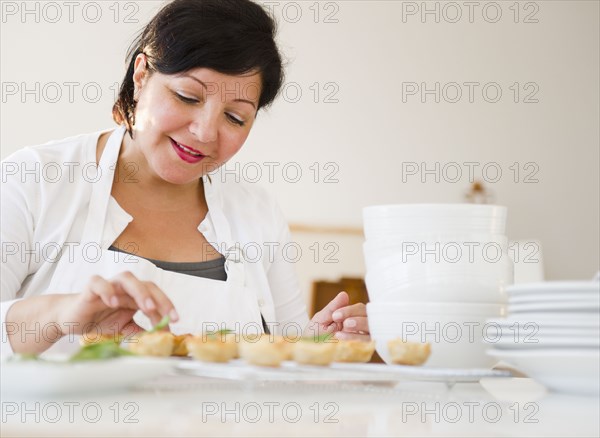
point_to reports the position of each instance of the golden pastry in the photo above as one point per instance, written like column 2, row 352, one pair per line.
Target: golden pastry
column 311, row 351
column 408, row 353
column 354, row 351
column 179, row 347
column 151, row 343
column 212, row 348
column 287, row 347
column 89, row 339
column 233, row 338
column 265, row 350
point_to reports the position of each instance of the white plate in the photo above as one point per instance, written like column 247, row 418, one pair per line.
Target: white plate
column 571, row 297
column 57, row 376
column 564, row 370
column 495, row 326
column 554, row 287
column 529, row 331
column 589, row 307
column 365, row 372
column 535, row 331
column 536, row 342
column 553, row 319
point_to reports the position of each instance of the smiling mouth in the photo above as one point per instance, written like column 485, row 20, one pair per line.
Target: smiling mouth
column 187, row 149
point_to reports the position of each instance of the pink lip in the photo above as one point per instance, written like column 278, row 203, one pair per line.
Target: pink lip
column 185, row 156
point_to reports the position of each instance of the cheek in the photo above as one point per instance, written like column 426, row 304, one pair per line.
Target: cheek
column 231, row 143
column 154, row 113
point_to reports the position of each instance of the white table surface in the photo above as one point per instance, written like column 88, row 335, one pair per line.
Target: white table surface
column 178, row 405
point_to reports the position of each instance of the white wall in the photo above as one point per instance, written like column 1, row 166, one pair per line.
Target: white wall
column 370, row 131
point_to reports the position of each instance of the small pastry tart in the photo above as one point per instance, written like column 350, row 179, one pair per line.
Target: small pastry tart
column 311, row 351
column 265, row 350
column 408, row 353
column 287, row 346
column 89, row 339
column 354, row 351
column 179, row 347
column 212, row 347
column 151, row 343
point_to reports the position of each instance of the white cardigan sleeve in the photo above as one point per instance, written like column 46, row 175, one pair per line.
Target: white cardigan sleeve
column 18, row 200
column 290, row 306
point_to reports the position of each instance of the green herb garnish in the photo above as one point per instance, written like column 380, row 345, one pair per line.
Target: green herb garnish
column 161, row 325
column 221, row 333
column 327, row 337
column 24, row 357
column 99, row 351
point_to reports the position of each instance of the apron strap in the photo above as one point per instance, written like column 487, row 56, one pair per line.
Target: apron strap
column 234, row 255
column 101, row 189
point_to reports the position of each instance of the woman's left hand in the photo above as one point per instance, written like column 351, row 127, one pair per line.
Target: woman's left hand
column 343, row 320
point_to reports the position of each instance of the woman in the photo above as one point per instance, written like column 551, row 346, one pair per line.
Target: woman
column 197, row 76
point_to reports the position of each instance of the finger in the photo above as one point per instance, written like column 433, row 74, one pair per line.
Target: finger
column 132, row 328
column 324, row 315
column 358, row 309
column 125, row 300
column 164, row 304
column 316, row 329
column 332, row 328
column 138, row 291
column 345, row 336
column 98, row 287
column 356, row 324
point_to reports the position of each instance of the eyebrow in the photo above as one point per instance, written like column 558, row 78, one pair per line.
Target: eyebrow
column 186, row 75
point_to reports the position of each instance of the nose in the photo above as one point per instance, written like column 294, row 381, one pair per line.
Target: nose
column 205, row 125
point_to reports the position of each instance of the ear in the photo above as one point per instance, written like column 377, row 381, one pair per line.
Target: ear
column 140, row 74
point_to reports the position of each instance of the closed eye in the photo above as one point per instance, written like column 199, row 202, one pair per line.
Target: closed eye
column 193, row 101
column 236, row 120
column 186, row 99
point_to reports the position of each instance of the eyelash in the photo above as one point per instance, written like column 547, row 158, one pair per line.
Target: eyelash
column 194, row 101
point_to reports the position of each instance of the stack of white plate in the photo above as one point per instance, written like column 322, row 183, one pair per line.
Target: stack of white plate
column 437, row 269
column 552, row 333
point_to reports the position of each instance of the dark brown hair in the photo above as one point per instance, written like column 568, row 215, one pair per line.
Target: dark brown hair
column 232, row 37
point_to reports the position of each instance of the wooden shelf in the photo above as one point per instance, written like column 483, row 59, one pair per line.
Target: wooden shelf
column 325, row 229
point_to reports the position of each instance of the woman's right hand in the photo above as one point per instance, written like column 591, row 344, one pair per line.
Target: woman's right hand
column 108, row 306
column 103, row 307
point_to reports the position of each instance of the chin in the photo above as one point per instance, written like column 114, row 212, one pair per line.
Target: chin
column 177, row 176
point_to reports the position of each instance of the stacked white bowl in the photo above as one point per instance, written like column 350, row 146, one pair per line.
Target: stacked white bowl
column 552, row 333
column 436, row 273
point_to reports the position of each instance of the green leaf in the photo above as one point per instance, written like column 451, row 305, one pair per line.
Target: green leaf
column 214, row 335
column 24, row 357
column 327, row 337
column 99, row 351
column 161, row 324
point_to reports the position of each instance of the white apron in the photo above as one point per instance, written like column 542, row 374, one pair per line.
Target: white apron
column 203, row 304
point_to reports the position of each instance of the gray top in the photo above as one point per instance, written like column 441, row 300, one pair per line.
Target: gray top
column 213, row 269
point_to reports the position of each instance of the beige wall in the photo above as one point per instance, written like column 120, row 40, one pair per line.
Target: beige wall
column 363, row 130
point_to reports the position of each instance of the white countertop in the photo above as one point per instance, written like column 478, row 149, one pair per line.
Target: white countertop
column 177, row 405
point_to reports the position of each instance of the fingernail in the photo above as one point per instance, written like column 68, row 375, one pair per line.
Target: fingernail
column 337, row 315
column 149, row 304
column 350, row 323
column 114, row 301
column 173, row 315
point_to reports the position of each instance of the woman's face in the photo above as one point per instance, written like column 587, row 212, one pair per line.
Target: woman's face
column 189, row 124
